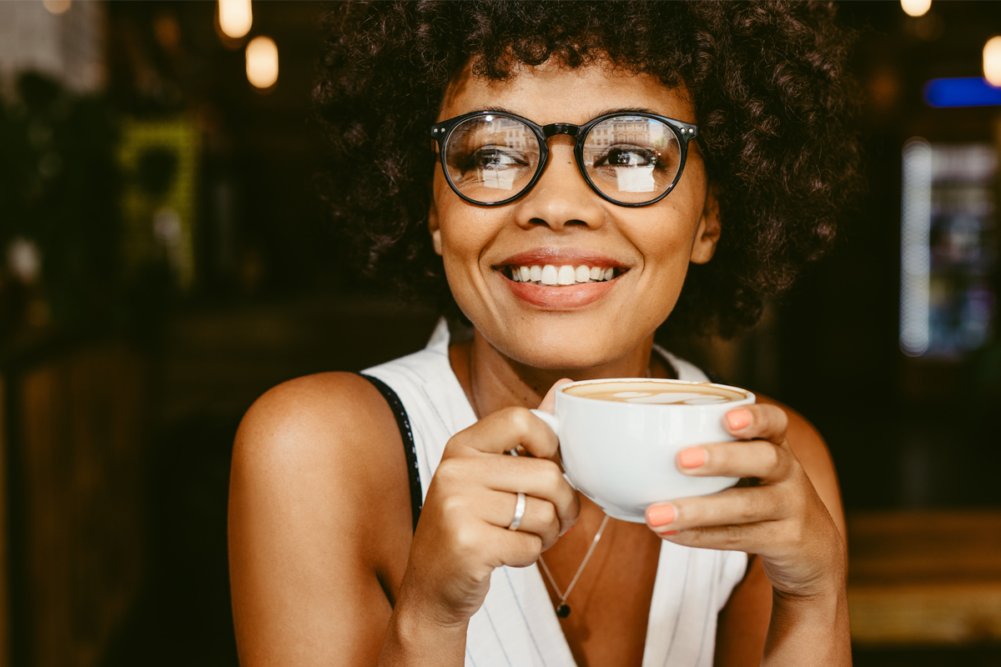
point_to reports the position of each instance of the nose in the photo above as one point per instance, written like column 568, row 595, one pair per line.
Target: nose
column 561, row 197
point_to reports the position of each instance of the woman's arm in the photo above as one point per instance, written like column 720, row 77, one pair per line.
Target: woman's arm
column 802, row 628
column 323, row 567
column 319, row 523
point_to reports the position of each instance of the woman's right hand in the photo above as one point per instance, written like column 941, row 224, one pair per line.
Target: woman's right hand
column 463, row 531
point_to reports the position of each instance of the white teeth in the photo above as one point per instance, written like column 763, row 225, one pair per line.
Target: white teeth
column 560, row 275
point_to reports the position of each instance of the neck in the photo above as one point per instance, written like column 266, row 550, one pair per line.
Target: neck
column 493, row 381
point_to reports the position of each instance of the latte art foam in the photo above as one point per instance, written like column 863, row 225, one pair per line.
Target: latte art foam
column 646, row 392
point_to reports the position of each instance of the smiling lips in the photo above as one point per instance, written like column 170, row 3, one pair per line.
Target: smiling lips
column 564, row 275
column 560, row 280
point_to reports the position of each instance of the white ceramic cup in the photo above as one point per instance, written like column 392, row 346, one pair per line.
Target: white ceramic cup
column 622, row 455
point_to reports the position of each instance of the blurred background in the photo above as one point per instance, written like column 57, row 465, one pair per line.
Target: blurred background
column 164, row 261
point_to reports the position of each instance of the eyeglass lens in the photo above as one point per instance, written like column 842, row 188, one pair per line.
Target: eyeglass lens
column 491, row 158
column 630, row 159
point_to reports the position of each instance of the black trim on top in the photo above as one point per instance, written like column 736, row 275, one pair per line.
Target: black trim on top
column 409, row 448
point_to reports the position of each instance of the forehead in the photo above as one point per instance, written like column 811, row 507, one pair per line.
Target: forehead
column 550, row 93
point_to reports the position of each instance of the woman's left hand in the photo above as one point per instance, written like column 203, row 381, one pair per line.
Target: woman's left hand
column 781, row 519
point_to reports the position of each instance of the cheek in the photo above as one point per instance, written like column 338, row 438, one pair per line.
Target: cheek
column 451, row 222
column 665, row 237
column 466, row 233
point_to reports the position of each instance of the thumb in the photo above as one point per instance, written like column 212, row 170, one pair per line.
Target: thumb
column 548, row 403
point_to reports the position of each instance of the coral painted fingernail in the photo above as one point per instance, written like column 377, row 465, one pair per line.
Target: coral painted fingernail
column 660, row 515
column 738, row 419
column 693, row 457
column 668, row 532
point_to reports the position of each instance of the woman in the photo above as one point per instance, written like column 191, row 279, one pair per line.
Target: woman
column 692, row 158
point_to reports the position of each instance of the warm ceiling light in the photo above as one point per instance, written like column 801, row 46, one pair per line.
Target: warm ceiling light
column 56, row 6
column 235, row 18
column 915, row 7
column 992, row 61
column 262, row 62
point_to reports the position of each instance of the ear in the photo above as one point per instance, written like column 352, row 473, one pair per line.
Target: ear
column 709, row 230
column 434, row 227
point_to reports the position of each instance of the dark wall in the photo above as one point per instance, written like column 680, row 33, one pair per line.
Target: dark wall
column 903, row 431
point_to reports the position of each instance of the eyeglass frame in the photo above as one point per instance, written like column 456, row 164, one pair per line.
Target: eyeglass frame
column 684, row 132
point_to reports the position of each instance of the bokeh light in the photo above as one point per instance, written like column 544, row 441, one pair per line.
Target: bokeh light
column 235, row 17
column 915, row 7
column 262, row 62
column 992, row 61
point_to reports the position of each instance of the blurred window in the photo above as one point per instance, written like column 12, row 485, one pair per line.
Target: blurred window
column 948, row 247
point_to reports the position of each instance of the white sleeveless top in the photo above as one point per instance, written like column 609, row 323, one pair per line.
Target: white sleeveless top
column 517, row 624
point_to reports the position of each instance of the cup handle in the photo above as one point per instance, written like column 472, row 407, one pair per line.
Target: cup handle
column 549, row 418
column 553, row 423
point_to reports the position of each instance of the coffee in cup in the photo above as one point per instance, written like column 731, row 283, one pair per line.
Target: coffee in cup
column 619, row 438
column 652, row 392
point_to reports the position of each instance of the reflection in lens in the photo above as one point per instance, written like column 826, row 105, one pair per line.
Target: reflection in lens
column 632, row 159
column 635, row 179
column 491, row 158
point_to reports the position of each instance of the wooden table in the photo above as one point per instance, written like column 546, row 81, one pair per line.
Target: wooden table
column 925, row 578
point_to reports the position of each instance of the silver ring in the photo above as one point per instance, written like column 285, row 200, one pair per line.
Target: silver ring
column 519, row 512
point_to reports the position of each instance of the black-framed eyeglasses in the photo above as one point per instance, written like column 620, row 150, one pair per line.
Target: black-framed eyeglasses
column 491, row 158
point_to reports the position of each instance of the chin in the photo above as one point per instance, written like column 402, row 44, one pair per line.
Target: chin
column 568, row 347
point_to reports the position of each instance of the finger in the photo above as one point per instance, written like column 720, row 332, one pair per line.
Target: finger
column 539, row 516
column 478, row 541
column 518, row 549
column 756, row 458
column 541, row 478
column 767, row 422
column 504, row 430
column 727, row 508
column 756, row 538
column 548, row 403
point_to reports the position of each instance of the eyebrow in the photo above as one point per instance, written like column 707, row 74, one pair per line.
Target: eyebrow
column 629, row 110
column 605, row 112
column 500, row 109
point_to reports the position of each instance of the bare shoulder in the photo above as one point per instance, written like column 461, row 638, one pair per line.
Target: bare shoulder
column 319, row 522
column 322, row 417
column 323, row 437
column 815, row 457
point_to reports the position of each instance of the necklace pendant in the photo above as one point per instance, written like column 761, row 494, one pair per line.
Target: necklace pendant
column 563, row 611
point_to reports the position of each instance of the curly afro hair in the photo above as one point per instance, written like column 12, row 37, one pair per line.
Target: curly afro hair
column 774, row 104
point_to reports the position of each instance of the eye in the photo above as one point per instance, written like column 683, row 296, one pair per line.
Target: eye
column 624, row 155
column 494, row 157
